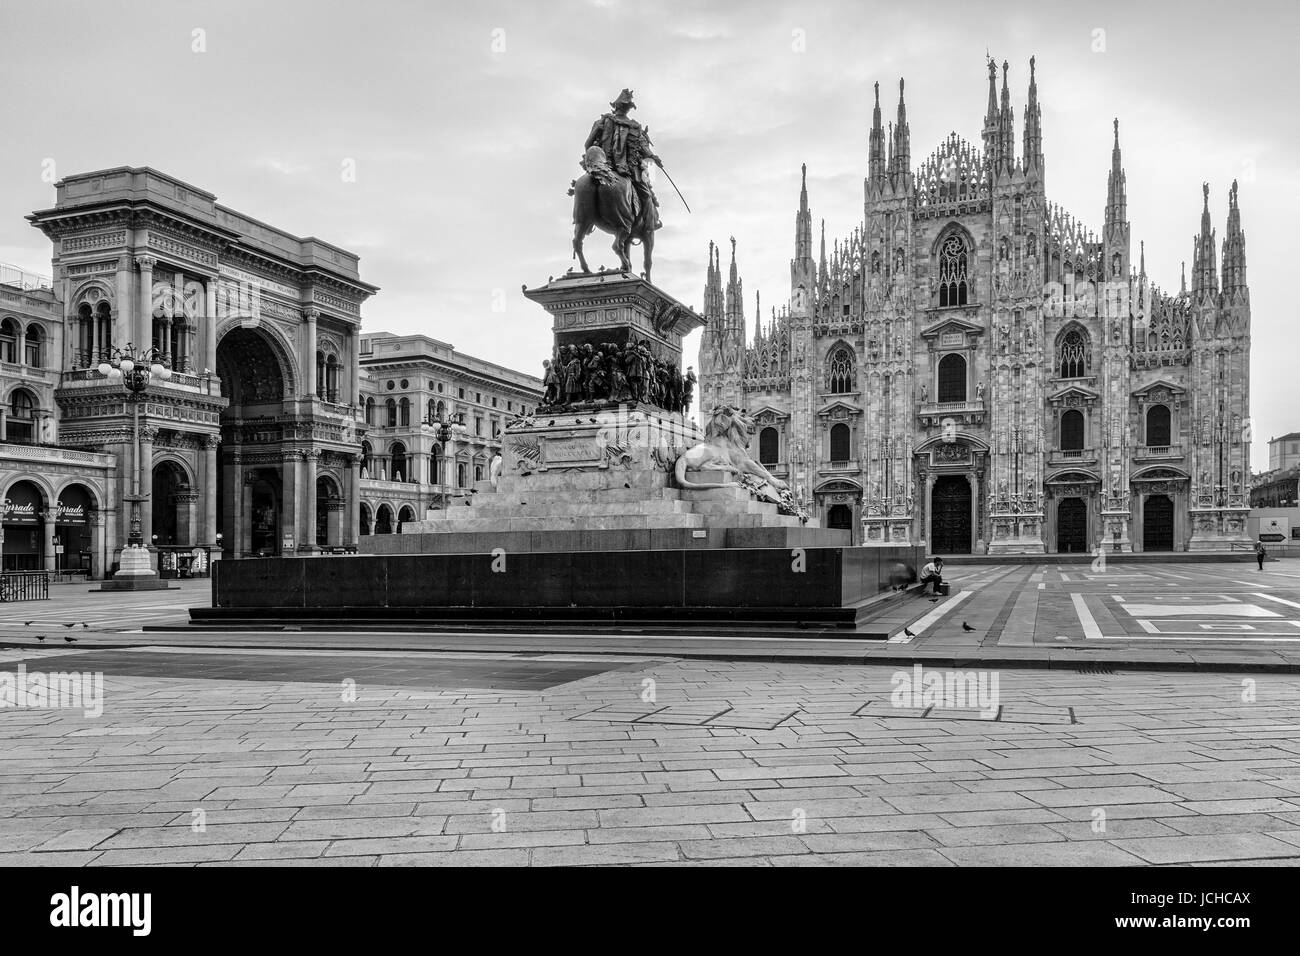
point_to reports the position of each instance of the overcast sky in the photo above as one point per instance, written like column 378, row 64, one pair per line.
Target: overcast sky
column 465, row 122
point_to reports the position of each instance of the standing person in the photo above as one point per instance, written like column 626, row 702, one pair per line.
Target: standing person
column 932, row 572
column 1260, row 553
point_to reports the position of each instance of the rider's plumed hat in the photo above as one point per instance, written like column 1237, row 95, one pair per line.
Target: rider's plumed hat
column 624, row 98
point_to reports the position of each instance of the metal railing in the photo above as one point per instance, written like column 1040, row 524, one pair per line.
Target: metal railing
column 25, row 586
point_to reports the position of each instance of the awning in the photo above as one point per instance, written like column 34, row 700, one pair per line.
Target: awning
column 22, row 504
column 74, row 506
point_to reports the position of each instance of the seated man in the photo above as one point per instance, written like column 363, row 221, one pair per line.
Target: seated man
column 932, row 572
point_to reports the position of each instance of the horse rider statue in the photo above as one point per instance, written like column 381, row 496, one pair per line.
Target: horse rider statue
column 627, row 147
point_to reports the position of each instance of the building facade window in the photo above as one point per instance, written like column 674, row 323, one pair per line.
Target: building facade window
column 954, row 273
column 769, row 445
column 1072, row 430
column 9, row 341
column 952, row 378
column 21, row 427
column 1158, row 422
column 840, row 442
column 840, row 372
column 400, row 471
column 34, row 347
column 1072, row 357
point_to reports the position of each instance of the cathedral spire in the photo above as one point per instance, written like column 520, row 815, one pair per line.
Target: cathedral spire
column 803, row 221
column 991, row 116
column 1116, row 190
column 758, row 319
column 1182, row 290
column 1006, row 125
column 713, row 302
column 821, row 264
column 902, row 161
column 1033, row 125
column 1234, row 248
column 734, row 325
column 1204, row 273
column 876, row 148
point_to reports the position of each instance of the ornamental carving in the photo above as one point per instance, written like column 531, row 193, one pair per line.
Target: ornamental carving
column 951, row 453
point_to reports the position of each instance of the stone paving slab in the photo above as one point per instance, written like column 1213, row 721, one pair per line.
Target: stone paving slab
column 1178, row 767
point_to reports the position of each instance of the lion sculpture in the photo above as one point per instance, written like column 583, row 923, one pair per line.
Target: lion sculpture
column 726, row 449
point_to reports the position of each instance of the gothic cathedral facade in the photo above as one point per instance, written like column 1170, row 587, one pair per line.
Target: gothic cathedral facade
column 975, row 371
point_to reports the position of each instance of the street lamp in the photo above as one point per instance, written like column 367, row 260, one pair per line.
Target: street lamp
column 135, row 371
column 451, row 429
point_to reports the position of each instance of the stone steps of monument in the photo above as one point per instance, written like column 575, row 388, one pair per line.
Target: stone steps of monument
column 733, row 520
column 557, row 523
column 512, row 508
column 746, row 507
column 729, row 493
column 560, row 480
column 537, row 496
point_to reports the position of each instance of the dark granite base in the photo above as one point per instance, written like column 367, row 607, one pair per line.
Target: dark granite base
column 658, row 539
column 680, row 589
column 134, row 584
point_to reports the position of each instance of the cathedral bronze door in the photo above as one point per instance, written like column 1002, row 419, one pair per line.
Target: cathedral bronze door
column 1071, row 526
column 950, row 516
column 840, row 516
column 1158, row 523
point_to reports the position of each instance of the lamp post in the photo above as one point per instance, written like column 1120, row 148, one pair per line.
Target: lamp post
column 135, row 370
column 451, row 429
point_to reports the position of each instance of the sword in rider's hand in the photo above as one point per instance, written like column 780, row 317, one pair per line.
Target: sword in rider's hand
column 660, row 163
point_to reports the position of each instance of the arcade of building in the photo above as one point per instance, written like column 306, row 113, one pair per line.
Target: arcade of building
column 257, row 443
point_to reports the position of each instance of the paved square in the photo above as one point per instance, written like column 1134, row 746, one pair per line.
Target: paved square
column 364, row 751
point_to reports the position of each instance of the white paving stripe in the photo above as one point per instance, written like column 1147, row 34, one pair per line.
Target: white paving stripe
column 1090, row 629
column 930, row 619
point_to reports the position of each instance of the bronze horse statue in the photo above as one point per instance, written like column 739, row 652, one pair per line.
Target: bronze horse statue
column 601, row 197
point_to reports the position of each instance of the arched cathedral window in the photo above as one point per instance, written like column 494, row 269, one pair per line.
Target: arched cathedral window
column 1072, row 357
column 953, row 272
column 840, row 372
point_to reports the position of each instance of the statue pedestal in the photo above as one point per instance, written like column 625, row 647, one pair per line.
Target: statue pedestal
column 1219, row 529
column 1115, row 537
column 134, row 573
column 613, row 307
column 1016, row 533
column 883, row 531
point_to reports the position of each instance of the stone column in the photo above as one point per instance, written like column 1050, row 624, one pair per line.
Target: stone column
column 210, row 329
column 244, row 513
column 307, row 525
column 233, row 506
column 186, row 505
column 210, row 455
column 123, row 313
column 145, row 465
column 334, row 534
column 47, row 540
column 291, row 499
column 929, row 509
column 352, row 503
column 142, row 337
column 309, row 350
column 97, row 550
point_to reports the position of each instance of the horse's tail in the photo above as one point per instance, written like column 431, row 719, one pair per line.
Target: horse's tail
column 679, row 471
